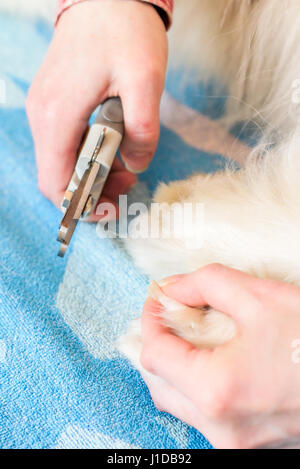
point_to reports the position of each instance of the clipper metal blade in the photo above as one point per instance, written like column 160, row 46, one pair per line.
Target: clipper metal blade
column 92, row 169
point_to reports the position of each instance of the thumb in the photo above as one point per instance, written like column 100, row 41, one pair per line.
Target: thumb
column 224, row 289
column 141, row 115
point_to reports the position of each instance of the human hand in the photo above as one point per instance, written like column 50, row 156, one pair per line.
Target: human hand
column 99, row 49
column 245, row 393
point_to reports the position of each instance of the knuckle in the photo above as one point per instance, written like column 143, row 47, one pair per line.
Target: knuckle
column 256, row 312
column 212, row 269
column 234, row 440
column 146, row 130
column 31, row 102
column 42, row 104
column 51, row 111
column 218, row 403
column 215, row 406
column 146, row 360
column 44, row 188
column 158, row 406
column 151, row 73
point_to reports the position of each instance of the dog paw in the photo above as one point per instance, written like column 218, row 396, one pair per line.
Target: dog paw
column 130, row 344
column 202, row 327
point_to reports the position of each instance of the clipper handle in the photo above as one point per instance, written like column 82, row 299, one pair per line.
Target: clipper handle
column 108, row 130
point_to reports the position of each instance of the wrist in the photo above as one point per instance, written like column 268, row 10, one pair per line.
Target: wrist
column 164, row 8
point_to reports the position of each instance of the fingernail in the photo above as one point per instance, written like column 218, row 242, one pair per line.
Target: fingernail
column 170, row 280
column 137, row 162
column 135, row 171
column 139, row 155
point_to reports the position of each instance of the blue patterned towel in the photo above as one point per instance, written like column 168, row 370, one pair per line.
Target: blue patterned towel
column 62, row 382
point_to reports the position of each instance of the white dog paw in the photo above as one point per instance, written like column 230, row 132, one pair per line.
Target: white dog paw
column 130, row 344
column 201, row 327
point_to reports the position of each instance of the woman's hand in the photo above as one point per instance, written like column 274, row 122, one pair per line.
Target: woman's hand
column 100, row 49
column 243, row 394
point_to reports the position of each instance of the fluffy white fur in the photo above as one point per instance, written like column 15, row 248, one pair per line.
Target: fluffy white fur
column 251, row 45
column 252, row 217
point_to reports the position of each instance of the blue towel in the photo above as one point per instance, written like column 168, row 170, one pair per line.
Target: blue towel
column 62, row 382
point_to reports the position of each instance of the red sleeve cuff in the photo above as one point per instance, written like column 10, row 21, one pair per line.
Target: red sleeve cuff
column 165, row 5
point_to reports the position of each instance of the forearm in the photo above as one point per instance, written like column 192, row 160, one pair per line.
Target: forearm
column 165, row 7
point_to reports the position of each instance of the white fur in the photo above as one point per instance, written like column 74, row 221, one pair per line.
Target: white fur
column 252, row 46
column 252, row 223
column 252, row 217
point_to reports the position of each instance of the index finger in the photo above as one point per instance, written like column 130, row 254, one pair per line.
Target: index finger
column 57, row 133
